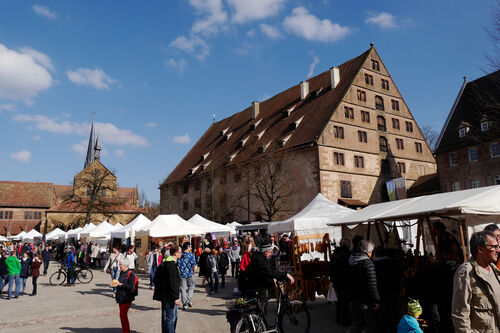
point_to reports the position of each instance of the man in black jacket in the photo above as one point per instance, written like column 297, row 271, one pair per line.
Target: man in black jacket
column 46, row 258
column 362, row 291
column 167, row 282
column 4, row 274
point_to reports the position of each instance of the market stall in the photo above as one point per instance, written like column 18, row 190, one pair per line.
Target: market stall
column 19, row 236
column 31, row 235
column 54, row 234
column 209, row 226
column 74, row 233
column 129, row 230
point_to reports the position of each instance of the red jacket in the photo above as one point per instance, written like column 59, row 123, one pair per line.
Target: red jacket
column 35, row 268
column 245, row 261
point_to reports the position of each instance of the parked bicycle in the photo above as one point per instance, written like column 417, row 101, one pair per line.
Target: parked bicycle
column 83, row 275
column 292, row 316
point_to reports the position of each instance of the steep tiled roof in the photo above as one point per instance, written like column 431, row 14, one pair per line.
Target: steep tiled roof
column 129, row 193
column 479, row 98
column 63, row 192
column 25, row 194
column 74, row 207
column 313, row 113
column 426, row 184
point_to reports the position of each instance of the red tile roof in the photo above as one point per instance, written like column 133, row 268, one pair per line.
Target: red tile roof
column 74, row 207
column 315, row 111
column 63, row 192
column 25, row 194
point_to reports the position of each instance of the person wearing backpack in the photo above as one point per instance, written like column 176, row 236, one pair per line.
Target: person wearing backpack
column 126, row 289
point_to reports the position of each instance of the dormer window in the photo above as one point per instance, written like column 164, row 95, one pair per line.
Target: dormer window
column 260, row 135
column 295, row 124
column 461, row 132
column 254, row 125
column 227, row 136
column 224, row 131
column 284, row 140
column 484, row 126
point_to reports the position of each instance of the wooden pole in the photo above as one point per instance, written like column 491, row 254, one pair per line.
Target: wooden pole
column 463, row 238
column 368, row 231
column 377, row 227
column 419, row 231
column 423, row 235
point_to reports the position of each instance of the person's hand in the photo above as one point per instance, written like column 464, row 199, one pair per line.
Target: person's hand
column 292, row 281
column 177, row 302
column 376, row 306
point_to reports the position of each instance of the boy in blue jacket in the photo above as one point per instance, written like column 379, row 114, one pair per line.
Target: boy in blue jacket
column 409, row 323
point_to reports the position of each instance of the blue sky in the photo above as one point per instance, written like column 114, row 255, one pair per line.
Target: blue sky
column 155, row 72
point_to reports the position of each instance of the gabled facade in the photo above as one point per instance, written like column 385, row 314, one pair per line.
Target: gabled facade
column 343, row 133
column 468, row 148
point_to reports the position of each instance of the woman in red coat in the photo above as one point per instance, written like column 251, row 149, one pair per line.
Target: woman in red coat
column 35, row 271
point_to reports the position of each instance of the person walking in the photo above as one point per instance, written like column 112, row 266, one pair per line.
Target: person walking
column 13, row 269
column 214, row 272
column 187, row 264
column 235, row 258
column 131, row 256
column 203, row 265
column 222, row 265
column 4, row 274
column 363, row 294
column 153, row 260
column 125, row 286
column 25, row 270
column 46, row 258
column 476, row 287
column 35, row 272
column 339, row 263
column 167, row 284
column 112, row 265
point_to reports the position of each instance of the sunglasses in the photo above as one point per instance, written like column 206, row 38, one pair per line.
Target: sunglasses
column 496, row 247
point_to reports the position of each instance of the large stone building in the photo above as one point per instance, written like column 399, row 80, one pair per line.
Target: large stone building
column 45, row 206
column 468, row 148
column 344, row 133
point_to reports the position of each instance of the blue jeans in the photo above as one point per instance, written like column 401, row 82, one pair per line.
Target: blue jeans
column 152, row 275
column 214, row 281
column 168, row 317
column 115, row 273
column 23, row 283
column 4, row 280
column 13, row 278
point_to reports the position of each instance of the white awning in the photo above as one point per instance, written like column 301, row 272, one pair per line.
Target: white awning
column 138, row 223
column 169, row 226
column 209, row 226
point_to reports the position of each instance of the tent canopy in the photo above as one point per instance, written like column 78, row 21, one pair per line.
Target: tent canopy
column 253, row 226
column 232, row 227
column 313, row 218
column 19, row 235
column 479, row 201
column 32, row 234
column 124, row 232
column 207, row 225
column 74, row 233
column 3, row 239
column 169, row 226
column 103, row 230
column 54, row 234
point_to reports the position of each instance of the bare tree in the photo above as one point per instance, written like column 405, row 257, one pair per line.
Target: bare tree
column 430, row 135
column 95, row 195
column 218, row 205
column 494, row 34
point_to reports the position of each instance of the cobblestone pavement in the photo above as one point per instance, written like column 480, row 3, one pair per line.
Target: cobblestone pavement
column 91, row 308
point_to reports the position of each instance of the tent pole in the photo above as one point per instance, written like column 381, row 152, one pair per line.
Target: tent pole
column 463, row 238
column 433, row 236
column 418, row 245
column 368, row 231
column 423, row 236
column 377, row 227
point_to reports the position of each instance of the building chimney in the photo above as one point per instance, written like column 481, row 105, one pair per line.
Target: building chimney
column 255, row 109
column 304, row 89
column 334, row 76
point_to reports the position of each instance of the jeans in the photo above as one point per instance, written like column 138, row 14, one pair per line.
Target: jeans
column 115, row 273
column 363, row 318
column 187, row 287
column 124, row 316
column 214, row 281
column 45, row 267
column 4, row 280
column 235, row 269
column 152, row 272
column 34, row 278
column 71, row 275
column 168, row 317
column 23, row 283
column 13, row 278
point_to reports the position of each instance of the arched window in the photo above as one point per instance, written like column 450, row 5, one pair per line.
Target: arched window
column 383, row 144
column 381, row 124
column 379, row 103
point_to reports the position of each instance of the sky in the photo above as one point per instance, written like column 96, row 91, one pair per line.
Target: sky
column 156, row 72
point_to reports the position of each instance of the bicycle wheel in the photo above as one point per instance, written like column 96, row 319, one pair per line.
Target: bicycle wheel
column 295, row 318
column 58, row 277
column 84, row 276
column 251, row 323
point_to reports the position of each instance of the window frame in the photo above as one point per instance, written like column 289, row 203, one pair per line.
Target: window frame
column 409, row 126
column 452, row 159
column 400, row 144
column 361, row 95
column 475, row 183
column 395, row 104
column 348, row 112
column 484, row 128
column 338, row 132
column 347, row 186
column 375, row 65
column 338, row 158
column 359, row 162
column 395, row 123
column 454, row 186
column 401, row 168
column 385, row 146
column 462, row 132
column 379, row 103
column 369, row 79
column 470, row 150
column 385, row 84
column 498, row 150
column 381, row 125
column 419, row 147
column 365, row 116
column 362, row 136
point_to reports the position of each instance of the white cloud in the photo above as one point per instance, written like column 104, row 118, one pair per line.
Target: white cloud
column 23, row 156
column 178, row 65
column 80, row 147
column 250, row 33
column 308, row 26
column 23, row 75
column 44, row 12
column 183, row 139
column 194, row 44
column 7, row 107
column 120, row 153
column 39, row 57
column 270, row 31
column 383, row 20
column 151, row 125
column 313, row 66
column 250, row 10
column 213, row 16
column 96, row 78
column 37, row 138
column 108, row 132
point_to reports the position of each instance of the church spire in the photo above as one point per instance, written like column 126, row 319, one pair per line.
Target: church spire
column 91, row 148
column 97, row 148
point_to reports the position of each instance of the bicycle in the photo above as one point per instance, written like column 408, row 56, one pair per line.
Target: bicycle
column 83, row 275
column 292, row 316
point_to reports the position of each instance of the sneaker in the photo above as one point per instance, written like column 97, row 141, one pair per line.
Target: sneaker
column 185, row 307
column 189, row 303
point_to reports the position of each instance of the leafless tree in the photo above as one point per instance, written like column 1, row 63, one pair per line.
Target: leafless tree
column 430, row 135
column 494, row 34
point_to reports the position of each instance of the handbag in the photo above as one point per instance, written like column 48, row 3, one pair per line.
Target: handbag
column 332, row 296
column 108, row 270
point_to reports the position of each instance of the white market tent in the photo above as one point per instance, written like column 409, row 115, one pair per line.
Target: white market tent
column 476, row 207
column 74, row 233
column 128, row 230
column 19, row 236
column 31, row 235
column 169, row 226
column 253, row 226
column 3, row 239
column 314, row 219
column 232, row 227
column 209, row 226
column 101, row 231
column 54, row 234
